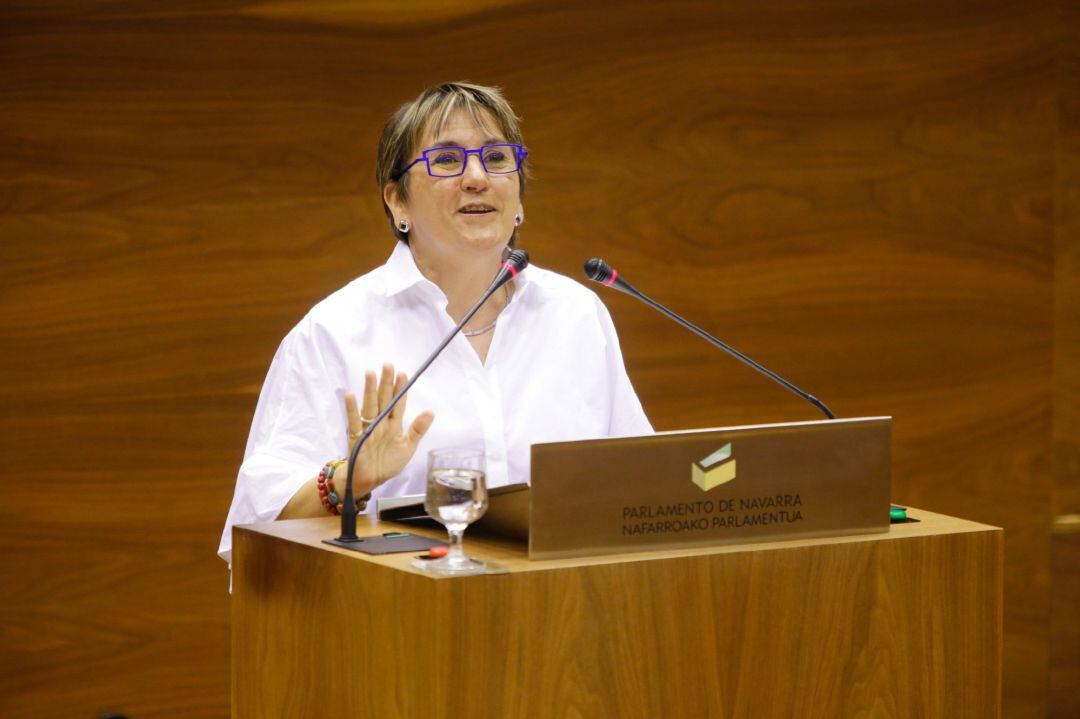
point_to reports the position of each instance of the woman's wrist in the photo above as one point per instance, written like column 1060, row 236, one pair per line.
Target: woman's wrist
column 331, row 494
column 362, row 482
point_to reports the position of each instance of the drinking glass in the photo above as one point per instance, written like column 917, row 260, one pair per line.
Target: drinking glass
column 456, row 497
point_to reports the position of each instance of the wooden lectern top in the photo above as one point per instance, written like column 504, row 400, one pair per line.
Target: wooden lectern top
column 513, row 555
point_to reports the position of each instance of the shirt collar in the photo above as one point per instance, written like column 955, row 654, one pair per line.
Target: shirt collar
column 402, row 273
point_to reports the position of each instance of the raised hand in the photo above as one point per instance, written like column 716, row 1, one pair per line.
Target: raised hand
column 389, row 448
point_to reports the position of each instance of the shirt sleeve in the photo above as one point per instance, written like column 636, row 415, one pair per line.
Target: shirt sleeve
column 627, row 416
column 296, row 428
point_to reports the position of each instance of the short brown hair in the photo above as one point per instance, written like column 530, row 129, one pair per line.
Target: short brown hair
column 432, row 108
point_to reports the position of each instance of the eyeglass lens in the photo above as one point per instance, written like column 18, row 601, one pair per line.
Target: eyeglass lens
column 449, row 161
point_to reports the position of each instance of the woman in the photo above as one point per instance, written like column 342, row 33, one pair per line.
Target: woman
column 539, row 362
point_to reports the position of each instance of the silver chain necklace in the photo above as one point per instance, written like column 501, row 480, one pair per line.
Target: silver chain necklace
column 488, row 328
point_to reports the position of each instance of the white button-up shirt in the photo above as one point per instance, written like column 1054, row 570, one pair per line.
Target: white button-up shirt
column 553, row 372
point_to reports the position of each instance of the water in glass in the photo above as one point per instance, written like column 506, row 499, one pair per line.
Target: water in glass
column 456, row 497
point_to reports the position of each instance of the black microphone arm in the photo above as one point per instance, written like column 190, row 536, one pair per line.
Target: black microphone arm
column 599, row 271
column 515, row 262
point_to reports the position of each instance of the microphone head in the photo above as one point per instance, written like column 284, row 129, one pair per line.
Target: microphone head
column 597, row 270
column 518, row 259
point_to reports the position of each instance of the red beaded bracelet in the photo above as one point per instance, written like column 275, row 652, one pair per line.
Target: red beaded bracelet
column 329, row 497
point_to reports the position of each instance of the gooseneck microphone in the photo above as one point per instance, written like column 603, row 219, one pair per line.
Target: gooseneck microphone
column 515, row 262
column 599, row 271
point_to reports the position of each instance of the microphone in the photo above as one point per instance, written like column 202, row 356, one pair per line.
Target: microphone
column 515, row 262
column 599, row 271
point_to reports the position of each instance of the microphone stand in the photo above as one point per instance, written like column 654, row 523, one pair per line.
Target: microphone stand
column 599, row 271
column 516, row 261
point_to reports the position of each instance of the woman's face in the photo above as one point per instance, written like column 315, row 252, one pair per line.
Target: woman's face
column 471, row 213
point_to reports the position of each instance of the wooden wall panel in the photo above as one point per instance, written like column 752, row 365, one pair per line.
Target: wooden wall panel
column 860, row 196
column 1067, row 273
column 1064, row 699
column 1065, row 557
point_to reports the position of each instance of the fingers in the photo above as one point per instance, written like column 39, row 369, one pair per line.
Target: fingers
column 371, row 398
column 378, row 393
column 352, row 414
column 419, row 428
column 399, row 409
column 386, row 387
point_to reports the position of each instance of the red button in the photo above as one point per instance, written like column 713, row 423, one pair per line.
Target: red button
column 438, row 551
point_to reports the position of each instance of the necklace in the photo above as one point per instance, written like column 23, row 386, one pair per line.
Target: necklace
column 488, row 328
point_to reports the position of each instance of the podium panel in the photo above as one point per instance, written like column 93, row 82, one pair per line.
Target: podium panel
column 899, row 624
column 726, row 485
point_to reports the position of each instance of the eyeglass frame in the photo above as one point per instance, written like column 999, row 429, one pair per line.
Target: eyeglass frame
column 520, row 153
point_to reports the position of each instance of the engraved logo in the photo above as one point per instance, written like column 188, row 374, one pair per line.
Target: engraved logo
column 716, row 469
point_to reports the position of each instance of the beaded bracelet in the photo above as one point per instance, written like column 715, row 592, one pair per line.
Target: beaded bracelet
column 329, row 497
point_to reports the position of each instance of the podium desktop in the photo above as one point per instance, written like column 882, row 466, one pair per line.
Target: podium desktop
column 651, row 588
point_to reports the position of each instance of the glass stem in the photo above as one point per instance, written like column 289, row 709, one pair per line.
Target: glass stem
column 456, row 554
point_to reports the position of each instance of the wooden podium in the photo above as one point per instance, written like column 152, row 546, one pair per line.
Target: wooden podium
column 899, row 624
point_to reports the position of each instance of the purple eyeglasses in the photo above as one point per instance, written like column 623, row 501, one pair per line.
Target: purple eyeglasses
column 501, row 159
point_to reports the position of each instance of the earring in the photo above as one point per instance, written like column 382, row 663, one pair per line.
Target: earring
column 517, row 220
column 403, row 226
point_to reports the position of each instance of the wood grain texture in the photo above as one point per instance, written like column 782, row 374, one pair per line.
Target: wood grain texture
column 899, row 625
column 1067, row 274
column 1064, row 698
column 869, row 198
